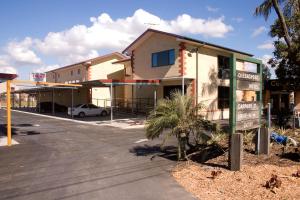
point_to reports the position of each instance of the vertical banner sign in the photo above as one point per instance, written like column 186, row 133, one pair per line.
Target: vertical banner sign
column 244, row 115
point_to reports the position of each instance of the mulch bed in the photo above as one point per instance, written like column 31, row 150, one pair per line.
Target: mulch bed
column 276, row 176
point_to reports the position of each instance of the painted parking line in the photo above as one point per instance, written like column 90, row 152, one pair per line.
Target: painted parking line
column 122, row 124
column 141, row 140
column 3, row 141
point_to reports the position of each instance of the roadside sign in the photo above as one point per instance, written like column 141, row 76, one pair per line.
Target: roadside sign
column 243, row 115
column 246, row 115
column 247, row 124
column 247, row 76
column 38, row 77
column 247, row 85
column 247, row 105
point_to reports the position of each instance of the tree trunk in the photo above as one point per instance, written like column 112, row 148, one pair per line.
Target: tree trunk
column 281, row 17
column 181, row 154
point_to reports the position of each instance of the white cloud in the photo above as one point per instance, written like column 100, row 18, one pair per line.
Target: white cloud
column 267, row 45
column 259, row 31
column 212, row 9
column 46, row 68
column 8, row 70
column 265, row 59
column 20, row 53
column 237, row 19
column 82, row 42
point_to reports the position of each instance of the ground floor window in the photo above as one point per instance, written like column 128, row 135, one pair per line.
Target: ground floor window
column 223, row 97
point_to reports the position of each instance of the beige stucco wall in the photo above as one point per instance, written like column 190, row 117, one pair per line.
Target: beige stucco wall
column 107, row 70
column 64, row 97
column 208, row 81
column 297, row 100
column 63, row 75
column 143, row 57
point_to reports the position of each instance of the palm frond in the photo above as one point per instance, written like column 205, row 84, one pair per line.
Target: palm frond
column 264, row 9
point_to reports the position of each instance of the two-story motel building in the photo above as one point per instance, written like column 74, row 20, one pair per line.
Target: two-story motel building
column 153, row 66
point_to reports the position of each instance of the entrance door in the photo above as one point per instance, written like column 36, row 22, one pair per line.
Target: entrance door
column 275, row 104
column 168, row 90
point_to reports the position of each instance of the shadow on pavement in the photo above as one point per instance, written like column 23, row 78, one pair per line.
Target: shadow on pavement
column 168, row 152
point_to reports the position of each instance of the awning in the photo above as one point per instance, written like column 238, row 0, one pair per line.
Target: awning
column 4, row 77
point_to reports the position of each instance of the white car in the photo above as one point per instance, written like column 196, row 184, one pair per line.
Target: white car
column 83, row 110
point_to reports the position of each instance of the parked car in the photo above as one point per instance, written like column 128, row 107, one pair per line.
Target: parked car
column 46, row 107
column 83, row 110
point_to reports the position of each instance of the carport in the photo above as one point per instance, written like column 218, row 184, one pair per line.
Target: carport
column 38, row 86
column 112, row 83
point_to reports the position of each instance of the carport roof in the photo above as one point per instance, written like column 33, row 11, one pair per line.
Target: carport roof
column 4, row 77
column 108, row 82
column 42, row 88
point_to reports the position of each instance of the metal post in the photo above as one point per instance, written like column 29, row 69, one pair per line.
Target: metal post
column 235, row 139
column 259, row 98
column 197, row 71
column 39, row 100
column 13, row 100
column 182, row 84
column 72, row 104
column 20, row 102
column 8, row 112
column 53, row 106
column 111, row 102
column 155, row 98
column 269, row 115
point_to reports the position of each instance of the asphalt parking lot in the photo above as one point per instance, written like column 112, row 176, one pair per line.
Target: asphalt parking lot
column 59, row 159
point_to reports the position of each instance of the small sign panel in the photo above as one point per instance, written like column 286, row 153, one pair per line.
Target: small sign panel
column 38, row 77
column 247, row 85
column 246, row 115
column 247, row 105
column 248, row 124
column 247, row 76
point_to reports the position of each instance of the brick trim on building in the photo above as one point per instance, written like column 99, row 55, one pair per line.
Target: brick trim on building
column 182, row 68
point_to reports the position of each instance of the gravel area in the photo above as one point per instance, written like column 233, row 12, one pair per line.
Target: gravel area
column 246, row 184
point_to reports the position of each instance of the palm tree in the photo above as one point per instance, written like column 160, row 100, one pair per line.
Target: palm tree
column 177, row 114
column 265, row 9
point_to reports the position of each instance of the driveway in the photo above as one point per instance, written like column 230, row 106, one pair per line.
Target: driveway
column 59, row 159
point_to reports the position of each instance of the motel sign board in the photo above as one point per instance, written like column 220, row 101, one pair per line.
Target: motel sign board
column 38, row 77
column 243, row 115
column 247, row 113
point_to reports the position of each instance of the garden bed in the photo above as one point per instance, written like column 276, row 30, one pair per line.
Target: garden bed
column 210, row 178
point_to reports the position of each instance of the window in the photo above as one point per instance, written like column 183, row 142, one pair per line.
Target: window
column 78, row 71
column 71, row 72
column 223, row 97
column 84, row 106
column 92, row 106
column 223, row 67
column 58, row 75
column 163, row 58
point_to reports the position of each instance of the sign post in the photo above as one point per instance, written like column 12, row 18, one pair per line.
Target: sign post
column 243, row 115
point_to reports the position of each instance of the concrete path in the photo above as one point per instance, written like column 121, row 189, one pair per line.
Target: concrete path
column 67, row 160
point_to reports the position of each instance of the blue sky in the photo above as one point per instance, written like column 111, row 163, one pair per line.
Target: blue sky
column 41, row 35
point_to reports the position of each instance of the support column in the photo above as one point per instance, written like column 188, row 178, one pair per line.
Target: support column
column 20, row 101
column 72, row 104
column 155, row 98
column 111, row 102
column 8, row 112
column 39, row 101
column 259, row 98
column 235, row 139
column 53, row 106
